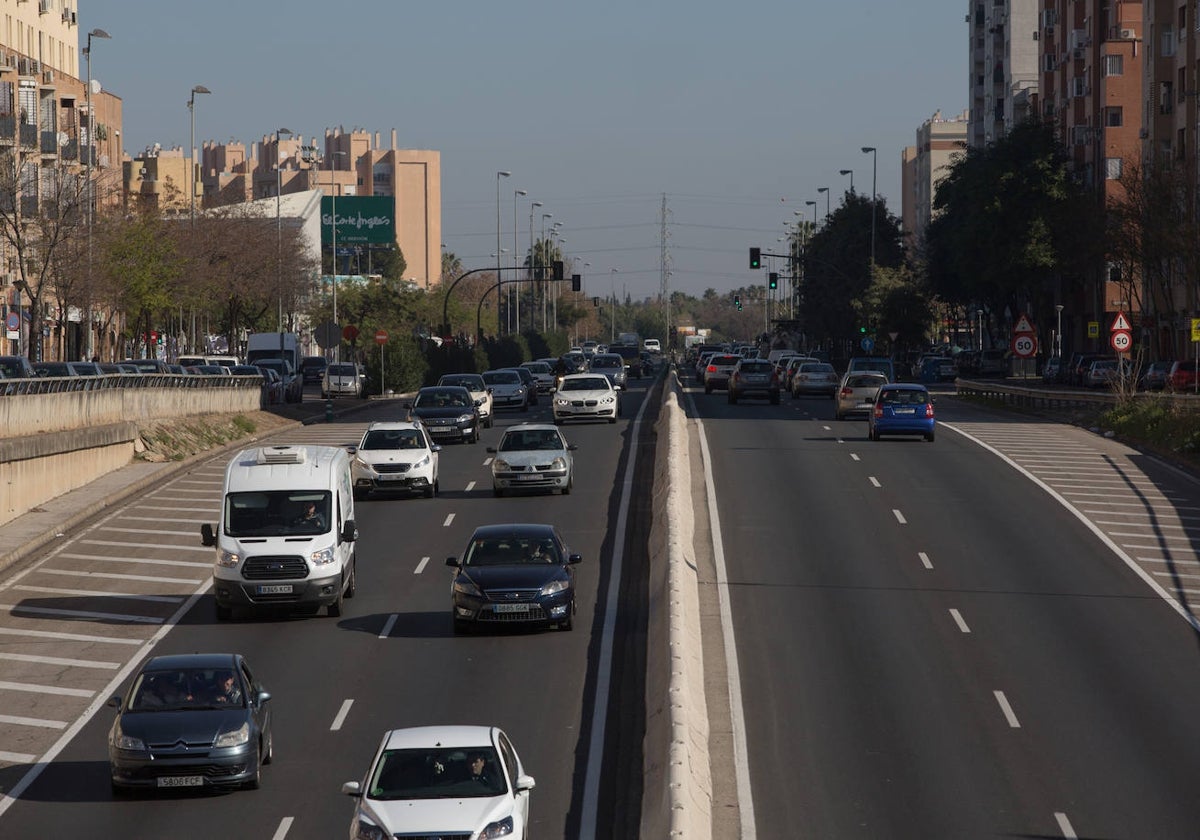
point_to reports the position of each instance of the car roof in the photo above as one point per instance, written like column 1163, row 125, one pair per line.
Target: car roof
column 523, row 529
column 426, row 737
column 532, row 427
column 395, row 424
column 191, row 660
column 903, row 386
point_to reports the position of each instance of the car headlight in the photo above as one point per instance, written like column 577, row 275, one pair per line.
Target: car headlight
column 607, row 400
column 499, row 465
column 466, row 418
column 366, row 465
column 235, row 738
column 423, row 462
column 520, row 391
column 127, row 742
column 227, row 558
column 555, row 586
column 499, row 828
column 558, row 464
column 366, row 831
column 465, row 586
column 562, row 402
column 322, row 558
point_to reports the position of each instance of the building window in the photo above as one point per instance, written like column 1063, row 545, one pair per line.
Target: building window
column 1168, row 42
column 1112, row 168
column 1114, row 116
column 1114, row 65
column 1166, row 101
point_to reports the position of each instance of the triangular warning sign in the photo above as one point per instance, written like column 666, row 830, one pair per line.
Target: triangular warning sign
column 1120, row 323
column 1023, row 325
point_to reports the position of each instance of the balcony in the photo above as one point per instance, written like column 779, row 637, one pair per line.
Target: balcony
column 49, row 142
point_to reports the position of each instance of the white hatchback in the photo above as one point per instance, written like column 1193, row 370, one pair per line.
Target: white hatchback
column 341, row 379
column 394, row 457
column 586, row 396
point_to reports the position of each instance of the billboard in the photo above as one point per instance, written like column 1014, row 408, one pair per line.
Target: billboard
column 361, row 219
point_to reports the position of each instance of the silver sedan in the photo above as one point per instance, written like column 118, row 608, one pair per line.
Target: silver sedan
column 532, row 457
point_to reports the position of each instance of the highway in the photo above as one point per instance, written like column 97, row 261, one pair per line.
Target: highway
column 986, row 636
column 75, row 623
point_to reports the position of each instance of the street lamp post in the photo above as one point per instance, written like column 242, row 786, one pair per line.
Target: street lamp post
column 529, row 269
column 1058, row 308
column 87, row 179
column 192, row 152
column 813, row 205
column 279, row 227
column 874, row 158
column 499, row 175
column 826, row 191
column 545, row 216
column 612, row 314
column 333, row 191
column 979, row 317
column 517, row 294
column 849, row 172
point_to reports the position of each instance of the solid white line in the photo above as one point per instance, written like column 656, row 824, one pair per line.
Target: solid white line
column 1009, row 715
column 28, row 721
column 341, row 715
column 958, row 619
column 1137, row 547
column 470, row 486
column 1064, row 825
column 591, row 778
column 17, row 758
column 900, row 517
column 449, row 519
column 285, row 825
column 54, row 660
column 1138, row 505
column 187, row 564
column 925, row 561
column 209, row 509
column 139, row 619
column 421, row 566
column 1154, row 525
column 69, row 637
column 1184, row 537
column 92, row 593
column 118, row 576
column 874, row 481
column 1173, row 561
column 34, row 688
column 854, row 457
column 388, row 625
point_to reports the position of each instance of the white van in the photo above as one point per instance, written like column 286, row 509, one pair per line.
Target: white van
column 286, row 531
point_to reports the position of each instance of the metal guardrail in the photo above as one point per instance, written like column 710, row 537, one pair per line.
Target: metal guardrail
column 107, row 381
column 1058, row 399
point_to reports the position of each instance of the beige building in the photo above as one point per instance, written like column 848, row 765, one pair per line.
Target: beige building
column 1003, row 66
column 924, row 165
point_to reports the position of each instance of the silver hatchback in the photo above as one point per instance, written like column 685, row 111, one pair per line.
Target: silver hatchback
column 857, row 393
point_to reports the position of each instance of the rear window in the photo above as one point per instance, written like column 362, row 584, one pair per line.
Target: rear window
column 756, row 367
column 865, row 381
column 725, row 361
column 905, row 397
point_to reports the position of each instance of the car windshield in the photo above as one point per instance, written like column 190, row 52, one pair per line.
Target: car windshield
column 512, row 550
column 537, row 367
column 501, row 377
column 520, row 440
column 873, row 381
column 589, row 384
column 607, row 362
column 442, row 399
column 437, row 773
column 187, row 688
column 471, row 383
column 393, row 439
column 277, row 513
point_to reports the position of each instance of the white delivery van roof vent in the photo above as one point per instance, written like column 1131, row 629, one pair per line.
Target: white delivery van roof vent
column 281, row 455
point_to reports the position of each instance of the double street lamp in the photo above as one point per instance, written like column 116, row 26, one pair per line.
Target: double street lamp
column 87, row 179
column 529, row 270
column 279, row 224
column 612, row 314
column 826, row 191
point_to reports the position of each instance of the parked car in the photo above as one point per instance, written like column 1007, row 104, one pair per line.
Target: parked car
column 442, row 781
column 901, row 409
column 753, row 377
column 857, row 392
column 1052, row 370
column 480, row 392
column 16, row 367
column 532, row 457
column 191, row 721
column 449, row 412
column 1154, row 377
column 586, row 396
column 938, row 369
column 312, row 369
column 86, row 368
column 814, row 378
column 48, row 369
column 293, row 385
column 1102, row 372
column 507, row 389
column 717, row 371
column 514, row 574
column 1080, row 364
column 992, row 363
column 395, row 456
column 341, row 379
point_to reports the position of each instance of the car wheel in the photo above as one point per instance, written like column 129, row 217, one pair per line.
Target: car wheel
column 774, row 398
column 873, row 435
column 352, row 586
column 612, row 419
column 497, row 492
column 254, row 781
column 929, row 437
column 557, row 421
column 223, row 613
column 488, row 425
column 460, row 627
column 428, row 492
column 269, row 754
column 566, row 491
column 525, row 406
column 359, row 495
column 437, row 487
column 569, row 624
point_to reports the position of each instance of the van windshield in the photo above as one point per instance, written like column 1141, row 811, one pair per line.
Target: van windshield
column 277, row 513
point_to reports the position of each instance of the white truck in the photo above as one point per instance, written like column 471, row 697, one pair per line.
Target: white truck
column 273, row 346
column 285, row 536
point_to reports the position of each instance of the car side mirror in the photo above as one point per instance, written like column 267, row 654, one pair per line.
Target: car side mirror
column 262, row 697
column 435, row 448
column 349, row 531
column 115, row 702
column 571, row 447
column 207, row 537
column 525, row 783
column 574, row 558
column 452, row 561
column 479, row 401
column 491, row 450
column 351, row 449
column 352, row 789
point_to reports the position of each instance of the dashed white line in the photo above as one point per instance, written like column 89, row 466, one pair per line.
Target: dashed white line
column 925, row 561
column 421, row 566
column 899, row 517
column 958, row 619
column 55, row 660
column 487, row 461
column 470, row 486
column 34, row 688
column 854, row 457
column 874, row 481
column 388, row 625
column 341, row 716
column 1064, row 825
column 15, row 720
column 1009, row 714
column 285, row 825
column 449, row 519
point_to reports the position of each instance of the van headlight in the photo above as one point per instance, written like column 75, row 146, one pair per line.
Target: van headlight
column 227, row 558
column 322, row 558
column 235, row 738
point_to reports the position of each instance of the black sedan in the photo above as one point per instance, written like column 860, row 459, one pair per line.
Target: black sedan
column 448, row 412
column 191, row 721
column 514, row 575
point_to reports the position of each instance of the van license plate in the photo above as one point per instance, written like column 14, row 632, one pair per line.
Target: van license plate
column 181, row 781
column 274, row 589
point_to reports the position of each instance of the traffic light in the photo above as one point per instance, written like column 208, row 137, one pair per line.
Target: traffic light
column 558, row 271
column 737, row 302
column 576, row 283
column 755, row 260
column 862, row 330
column 773, row 280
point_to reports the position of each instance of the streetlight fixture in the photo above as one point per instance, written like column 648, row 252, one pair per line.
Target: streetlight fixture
column 499, row 175
column 849, row 172
column 87, row 179
column 517, row 295
column 813, row 205
column 874, row 158
column 826, row 191
column 333, row 191
column 192, row 152
column 612, row 314
column 1058, row 308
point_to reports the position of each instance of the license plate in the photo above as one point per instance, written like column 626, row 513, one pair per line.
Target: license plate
column 906, row 411
column 274, row 589
column 391, row 477
column 180, row 781
column 528, row 477
column 441, row 430
column 510, row 608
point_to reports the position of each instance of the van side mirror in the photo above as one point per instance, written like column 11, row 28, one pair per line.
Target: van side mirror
column 349, row 531
column 207, row 537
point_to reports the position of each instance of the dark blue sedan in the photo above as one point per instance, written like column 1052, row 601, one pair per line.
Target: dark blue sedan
column 902, row 409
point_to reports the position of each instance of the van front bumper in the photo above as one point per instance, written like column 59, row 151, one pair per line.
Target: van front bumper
column 265, row 593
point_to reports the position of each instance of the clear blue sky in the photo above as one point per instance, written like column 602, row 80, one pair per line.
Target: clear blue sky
column 738, row 112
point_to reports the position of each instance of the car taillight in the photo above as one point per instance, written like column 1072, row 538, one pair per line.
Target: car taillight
column 712, row 368
column 878, row 410
column 847, row 392
column 928, row 410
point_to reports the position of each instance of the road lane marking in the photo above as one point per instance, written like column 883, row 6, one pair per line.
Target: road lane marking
column 341, row 716
column 17, row 758
column 388, row 625
column 69, row 637
column 93, row 593
column 285, row 826
column 1009, row 714
column 839, row 440
column 101, row 616
column 161, row 519
column 149, row 561
column 899, row 517
column 1171, row 560
column 470, row 486
column 958, row 619
column 421, row 566
column 34, row 688
column 28, row 721
column 118, row 576
column 146, row 545
column 162, row 533
column 487, row 461
column 826, row 429
column 854, row 457
column 874, row 481
column 1064, row 825
column 449, row 519
column 925, row 561
column 55, row 660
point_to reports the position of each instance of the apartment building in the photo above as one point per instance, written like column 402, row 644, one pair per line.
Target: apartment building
column 924, row 165
column 1003, row 61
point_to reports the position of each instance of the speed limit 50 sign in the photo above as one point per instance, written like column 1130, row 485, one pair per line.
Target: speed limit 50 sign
column 1024, row 345
column 1121, row 340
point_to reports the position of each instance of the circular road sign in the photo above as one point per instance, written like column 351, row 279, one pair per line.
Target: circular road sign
column 350, row 333
column 1024, row 345
column 13, row 321
column 1121, row 340
column 867, row 344
column 328, row 334
column 381, row 336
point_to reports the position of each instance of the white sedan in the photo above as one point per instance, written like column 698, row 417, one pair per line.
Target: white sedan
column 532, row 457
column 395, row 456
column 442, row 781
column 586, row 396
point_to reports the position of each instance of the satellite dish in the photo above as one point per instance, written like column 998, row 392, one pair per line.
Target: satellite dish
column 96, row 88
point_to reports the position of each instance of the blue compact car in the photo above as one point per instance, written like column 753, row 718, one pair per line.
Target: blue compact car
column 902, row 409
